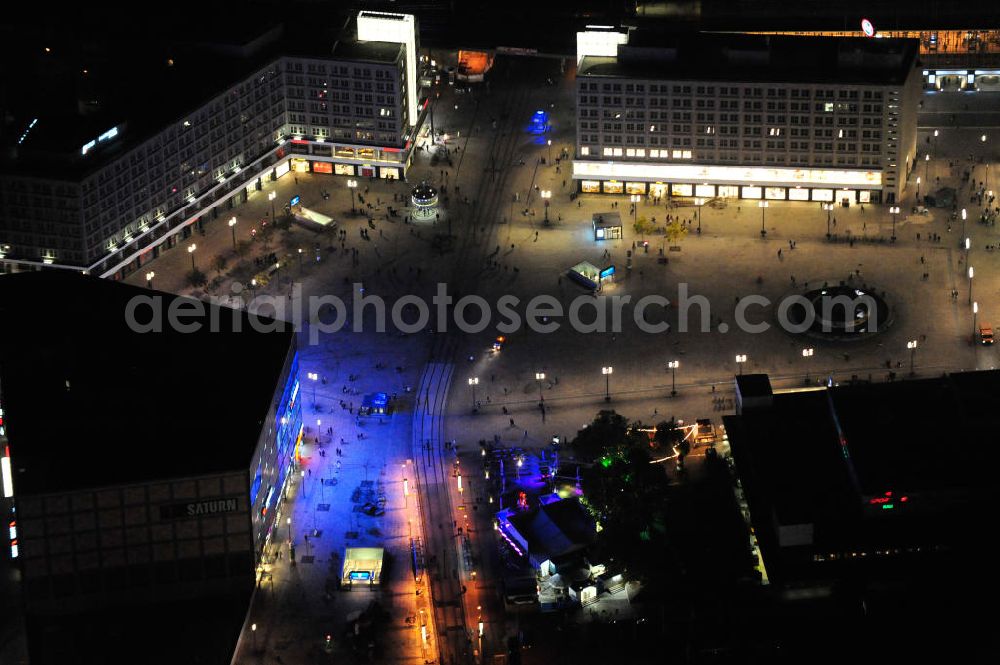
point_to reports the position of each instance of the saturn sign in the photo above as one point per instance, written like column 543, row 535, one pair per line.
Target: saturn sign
column 867, row 28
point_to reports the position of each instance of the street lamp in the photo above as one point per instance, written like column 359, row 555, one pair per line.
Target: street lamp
column 972, row 273
column 352, row 185
column 741, row 358
column 270, row 197
column 300, row 260
column 149, row 279
column 807, row 353
column 232, row 227
column 894, row 211
column 473, row 382
column 635, row 198
column 606, row 371
column 963, row 221
column 986, row 182
column 289, row 523
column 549, row 143
column 253, row 631
column 314, row 377
column 699, row 202
column 191, row 249
column 673, row 365
column 918, row 189
column 546, row 195
column 935, row 141
column 912, row 346
column 763, row 205
column 829, row 210
column 975, row 314
column 539, row 377
column 927, row 167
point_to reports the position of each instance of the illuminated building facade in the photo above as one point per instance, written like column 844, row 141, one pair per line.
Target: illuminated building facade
column 126, row 192
column 163, row 476
column 742, row 116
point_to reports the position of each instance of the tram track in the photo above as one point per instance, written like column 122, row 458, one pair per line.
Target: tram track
column 450, row 616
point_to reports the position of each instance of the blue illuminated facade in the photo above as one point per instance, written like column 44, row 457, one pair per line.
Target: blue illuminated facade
column 276, row 454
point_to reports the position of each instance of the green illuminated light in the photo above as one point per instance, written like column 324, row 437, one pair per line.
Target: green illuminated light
column 605, row 462
column 887, row 506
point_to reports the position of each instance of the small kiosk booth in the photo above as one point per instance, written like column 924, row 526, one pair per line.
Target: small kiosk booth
column 362, row 567
column 607, row 226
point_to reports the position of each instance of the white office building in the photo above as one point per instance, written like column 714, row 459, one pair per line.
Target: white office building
column 107, row 199
column 745, row 116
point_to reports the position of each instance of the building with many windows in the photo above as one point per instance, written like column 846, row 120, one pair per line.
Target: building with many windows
column 142, row 467
column 745, row 116
column 109, row 184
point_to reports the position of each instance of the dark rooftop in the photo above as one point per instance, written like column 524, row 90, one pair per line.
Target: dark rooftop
column 88, row 402
column 373, row 51
column 764, row 58
column 831, row 458
column 556, row 528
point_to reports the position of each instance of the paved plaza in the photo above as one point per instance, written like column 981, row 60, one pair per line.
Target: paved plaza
column 499, row 250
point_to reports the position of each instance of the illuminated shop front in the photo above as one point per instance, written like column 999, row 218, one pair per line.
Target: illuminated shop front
column 366, row 161
column 843, row 186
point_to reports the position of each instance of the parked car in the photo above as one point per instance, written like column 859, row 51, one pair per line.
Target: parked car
column 985, row 334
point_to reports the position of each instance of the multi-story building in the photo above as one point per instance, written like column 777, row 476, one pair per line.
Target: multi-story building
column 745, row 116
column 140, row 467
column 105, row 198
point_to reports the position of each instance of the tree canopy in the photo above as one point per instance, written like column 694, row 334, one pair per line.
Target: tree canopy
column 626, row 494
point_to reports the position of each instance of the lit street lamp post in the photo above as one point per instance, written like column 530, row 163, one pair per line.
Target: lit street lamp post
column 829, row 210
column 539, row 377
column 270, row 197
column 963, row 223
column 894, row 211
column 606, row 371
column 191, row 249
column 546, row 195
column 314, row 377
column 935, row 141
column 473, row 382
column 763, row 205
column 927, row 169
column 912, row 346
column 986, row 181
column 635, row 198
column 253, row 631
column 549, row 144
column 807, row 353
column 972, row 273
column 673, row 365
column 352, row 185
column 918, row 190
column 699, row 202
column 300, row 260
column 232, row 227
column 741, row 359
column 975, row 315
column 149, row 279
